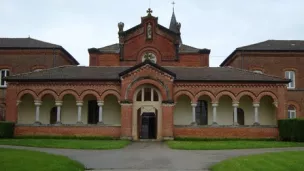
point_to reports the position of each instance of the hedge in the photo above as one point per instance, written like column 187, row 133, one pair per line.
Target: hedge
column 222, row 139
column 7, row 129
column 65, row 137
column 291, row 130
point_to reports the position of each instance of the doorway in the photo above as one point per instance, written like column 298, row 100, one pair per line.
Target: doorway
column 148, row 127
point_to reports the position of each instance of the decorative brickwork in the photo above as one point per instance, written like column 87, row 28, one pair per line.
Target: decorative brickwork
column 68, row 131
column 226, row 132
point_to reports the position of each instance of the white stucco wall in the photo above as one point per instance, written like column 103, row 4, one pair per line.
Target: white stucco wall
column 183, row 111
column 26, row 110
column 47, row 104
column 225, row 111
column 111, row 111
column 267, row 111
column 69, row 110
column 246, row 104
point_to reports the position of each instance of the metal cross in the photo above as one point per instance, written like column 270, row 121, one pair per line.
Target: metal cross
column 149, row 11
column 173, row 3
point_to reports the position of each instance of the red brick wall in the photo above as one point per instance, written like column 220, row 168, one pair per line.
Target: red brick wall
column 226, row 132
column 276, row 64
column 167, row 125
column 126, row 120
column 68, row 130
column 162, row 45
column 186, row 60
column 19, row 61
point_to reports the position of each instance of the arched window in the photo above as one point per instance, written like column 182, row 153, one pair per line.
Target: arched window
column 291, row 112
column 149, row 56
column 147, row 94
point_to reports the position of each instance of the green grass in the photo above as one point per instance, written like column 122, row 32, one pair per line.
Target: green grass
column 280, row 161
column 67, row 143
column 235, row 144
column 24, row 160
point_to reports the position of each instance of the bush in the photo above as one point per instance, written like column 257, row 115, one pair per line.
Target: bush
column 291, row 130
column 66, row 137
column 7, row 129
column 221, row 139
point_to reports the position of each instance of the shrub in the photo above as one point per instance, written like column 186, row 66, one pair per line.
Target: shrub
column 6, row 129
column 291, row 130
column 66, row 137
column 221, row 139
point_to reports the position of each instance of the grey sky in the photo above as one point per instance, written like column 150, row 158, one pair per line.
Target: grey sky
column 218, row 25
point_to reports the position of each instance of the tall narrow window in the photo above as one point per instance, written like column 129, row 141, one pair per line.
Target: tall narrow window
column 3, row 73
column 201, row 112
column 138, row 98
column 291, row 112
column 147, row 94
column 290, row 75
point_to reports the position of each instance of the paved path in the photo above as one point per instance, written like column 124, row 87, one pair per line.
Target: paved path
column 150, row 156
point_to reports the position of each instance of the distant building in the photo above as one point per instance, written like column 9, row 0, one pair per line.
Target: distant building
column 150, row 85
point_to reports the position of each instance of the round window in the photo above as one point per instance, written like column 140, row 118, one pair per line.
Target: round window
column 149, row 56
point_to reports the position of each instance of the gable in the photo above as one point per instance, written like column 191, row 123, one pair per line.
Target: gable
column 147, row 68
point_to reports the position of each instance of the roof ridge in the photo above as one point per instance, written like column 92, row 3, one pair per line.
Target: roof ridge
column 47, row 69
column 245, row 70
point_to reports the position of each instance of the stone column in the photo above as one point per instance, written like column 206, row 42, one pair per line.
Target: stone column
column 100, row 104
column 79, row 104
column 58, row 104
column 37, row 104
column 214, row 105
column 193, row 114
column 256, row 113
column 17, row 105
column 235, row 106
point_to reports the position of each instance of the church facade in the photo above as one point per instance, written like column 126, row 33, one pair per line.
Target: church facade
column 150, row 85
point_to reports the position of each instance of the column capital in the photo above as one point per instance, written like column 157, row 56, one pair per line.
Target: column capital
column 215, row 104
column 58, row 103
column 18, row 102
column 37, row 102
column 275, row 104
column 235, row 104
column 79, row 103
column 256, row 104
column 193, row 104
column 100, row 103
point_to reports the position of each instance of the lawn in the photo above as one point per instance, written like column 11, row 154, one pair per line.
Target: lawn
column 24, row 160
column 229, row 144
column 280, row 161
column 67, row 143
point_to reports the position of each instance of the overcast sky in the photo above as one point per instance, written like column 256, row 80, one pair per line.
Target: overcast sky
column 218, row 25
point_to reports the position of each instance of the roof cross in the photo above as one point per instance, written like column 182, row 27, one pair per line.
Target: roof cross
column 149, row 11
column 173, row 3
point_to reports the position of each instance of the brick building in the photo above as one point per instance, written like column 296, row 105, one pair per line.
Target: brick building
column 19, row 55
column 150, row 85
column 283, row 58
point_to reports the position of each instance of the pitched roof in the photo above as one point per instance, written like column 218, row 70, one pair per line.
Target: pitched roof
column 150, row 63
column 204, row 74
column 275, row 45
column 270, row 45
column 30, row 43
column 114, row 48
column 25, row 43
